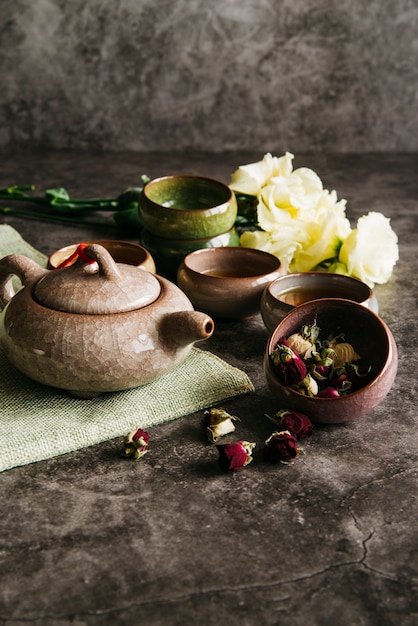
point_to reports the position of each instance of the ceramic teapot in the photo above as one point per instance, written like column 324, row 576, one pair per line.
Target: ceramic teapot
column 95, row 326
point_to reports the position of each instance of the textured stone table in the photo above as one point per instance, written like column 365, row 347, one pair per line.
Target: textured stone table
column 88, row 538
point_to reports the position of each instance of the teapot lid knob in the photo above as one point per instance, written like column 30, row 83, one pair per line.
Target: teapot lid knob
column 100, row 287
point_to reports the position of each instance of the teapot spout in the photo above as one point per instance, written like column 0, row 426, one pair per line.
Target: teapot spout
column 186, row 327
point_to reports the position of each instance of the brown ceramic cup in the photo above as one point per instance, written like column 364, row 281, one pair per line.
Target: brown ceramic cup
column 291, row 290
column 227, row 282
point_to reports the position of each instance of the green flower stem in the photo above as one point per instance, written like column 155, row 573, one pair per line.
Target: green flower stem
column 59, row 199
column 61, row 205
column 51, row 217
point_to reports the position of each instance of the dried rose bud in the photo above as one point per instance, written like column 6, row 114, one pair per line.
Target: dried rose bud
column 136, row 444
column 343, row 353
column 217, row 423
column 281, row 446
column 308, row 386
column 321, row 372
column 328, row 392
column 298, row 424
column 341, row 381
column 288, row 366
column 234, row 456
column 303, row 347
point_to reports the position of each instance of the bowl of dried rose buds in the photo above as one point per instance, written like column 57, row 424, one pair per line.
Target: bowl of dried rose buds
column 332, row 359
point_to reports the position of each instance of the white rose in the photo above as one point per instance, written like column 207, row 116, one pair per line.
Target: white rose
column 370, row 252
column 270, row 214
column 297, row 193
column 251, row 178
column 325, row 233
column 258, row 239
column 302, row 217
column 325, row 239
column 282, row 243
column 305, row 225
column 289, row 197
column 329, row 202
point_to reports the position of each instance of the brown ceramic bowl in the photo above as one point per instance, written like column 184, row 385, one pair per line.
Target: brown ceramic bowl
column 291, row 290
column 121, row 251
column 227, row 282
column 370, row 337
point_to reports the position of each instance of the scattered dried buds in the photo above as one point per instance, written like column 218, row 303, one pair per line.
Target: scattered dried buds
column 234, row 456
column 296, row 423
column 136, row 444
column 217, row 423
column 281, row 446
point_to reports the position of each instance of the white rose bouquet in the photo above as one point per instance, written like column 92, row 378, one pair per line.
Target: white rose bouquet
column 305, row 225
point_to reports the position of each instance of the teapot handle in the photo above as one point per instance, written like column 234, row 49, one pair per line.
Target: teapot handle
column 107, row 266
column 18, row 265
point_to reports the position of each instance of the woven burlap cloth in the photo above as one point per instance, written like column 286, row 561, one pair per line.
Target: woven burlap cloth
column 37, row 422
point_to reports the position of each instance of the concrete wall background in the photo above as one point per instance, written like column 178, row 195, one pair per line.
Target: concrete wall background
column 298, row 75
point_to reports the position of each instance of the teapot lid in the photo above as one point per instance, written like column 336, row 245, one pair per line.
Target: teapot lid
column 100, row 286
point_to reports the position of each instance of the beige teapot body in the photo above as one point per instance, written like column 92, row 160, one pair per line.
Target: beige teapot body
column 95, row 327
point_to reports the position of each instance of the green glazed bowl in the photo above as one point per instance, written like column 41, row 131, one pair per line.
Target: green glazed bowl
column 187, row 207
column 169, row 253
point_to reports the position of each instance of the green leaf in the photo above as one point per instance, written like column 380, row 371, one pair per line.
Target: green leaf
column 129, row 198
column 128, row 219
column 58, row 195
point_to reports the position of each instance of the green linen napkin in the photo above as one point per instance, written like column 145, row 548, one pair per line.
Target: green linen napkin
column 38, row 422
column 12, row 243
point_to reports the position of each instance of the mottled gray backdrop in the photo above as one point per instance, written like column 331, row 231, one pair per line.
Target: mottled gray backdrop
column 298, row 75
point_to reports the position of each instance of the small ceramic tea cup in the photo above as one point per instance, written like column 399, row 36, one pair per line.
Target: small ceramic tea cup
column 227, row 282
column 169, row 253
column 292, row 290
column 121, row 252
column 187, row 207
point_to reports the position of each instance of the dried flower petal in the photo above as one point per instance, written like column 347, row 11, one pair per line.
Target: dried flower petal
column 303, row 347
column 217, row 422
column 281, row 446
column 79, row 253
column 234, row 456
column 136, row 444
column 343, row 353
